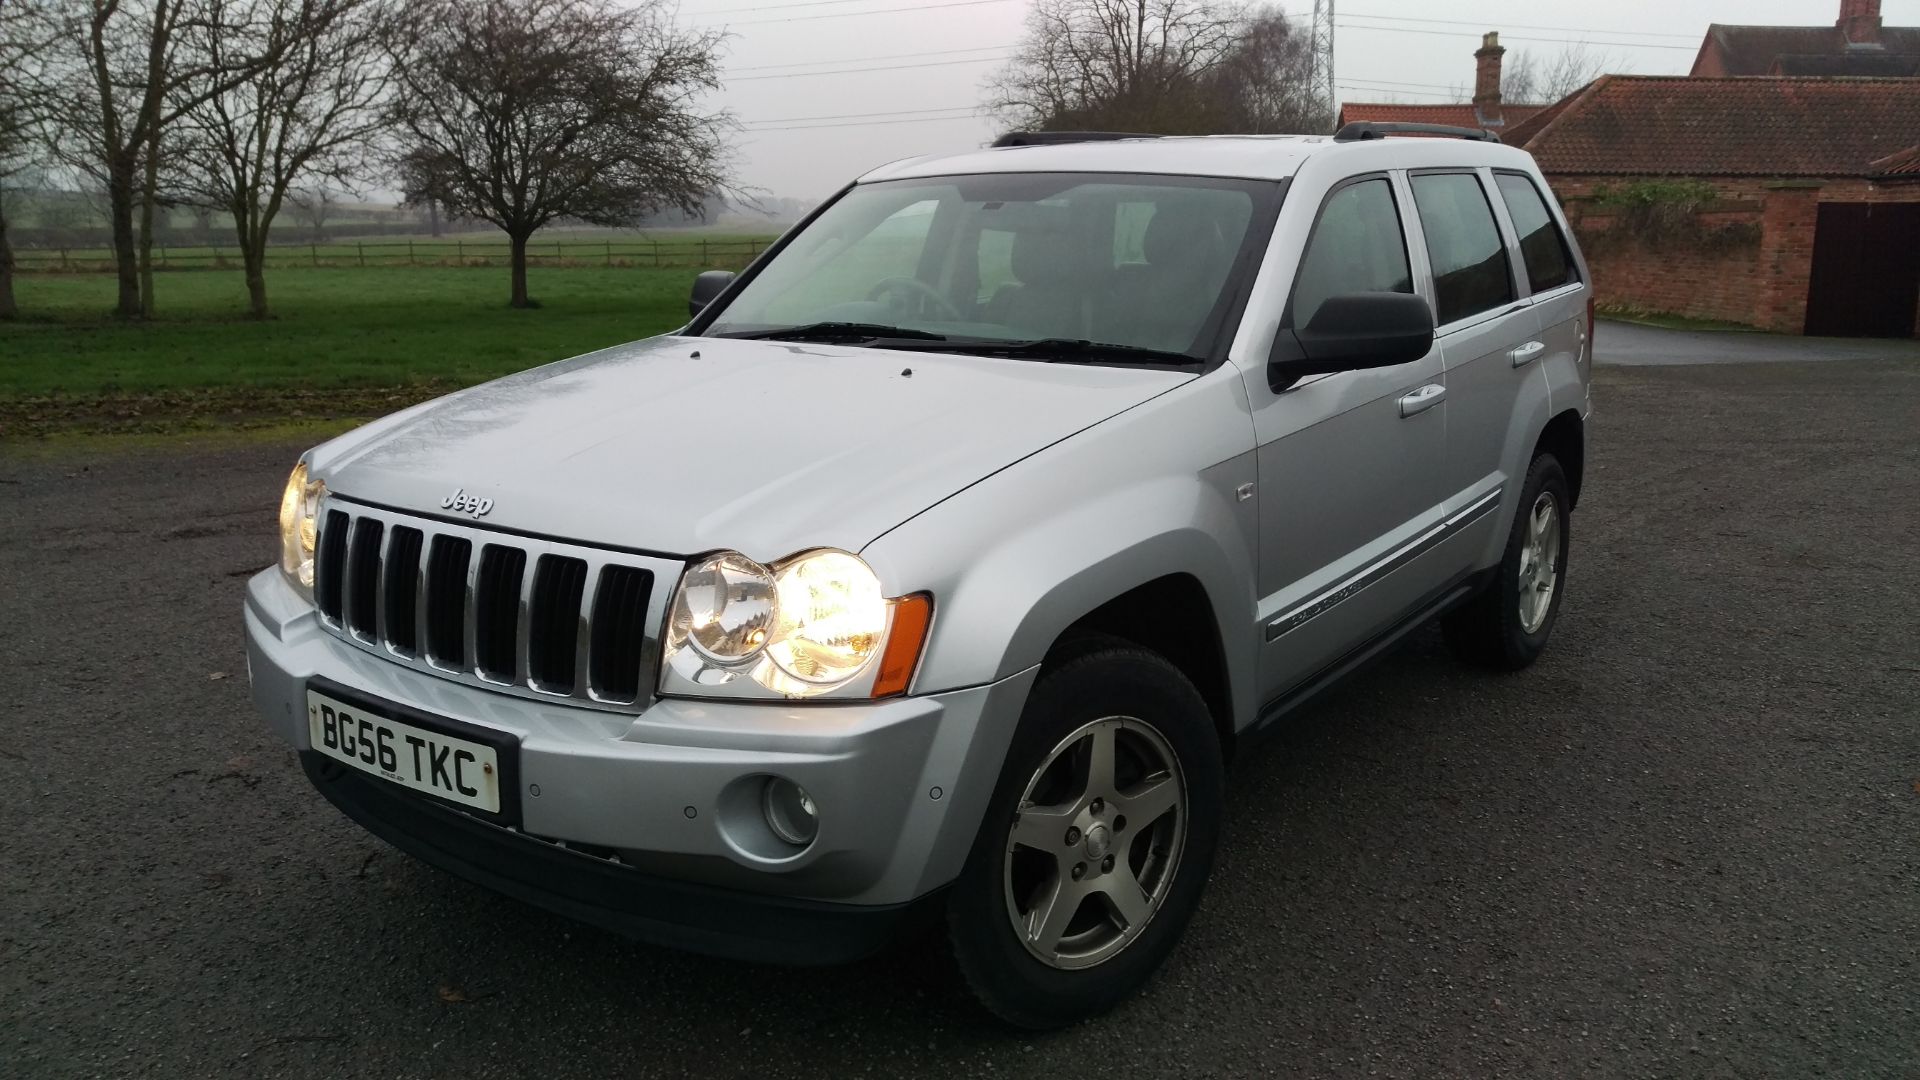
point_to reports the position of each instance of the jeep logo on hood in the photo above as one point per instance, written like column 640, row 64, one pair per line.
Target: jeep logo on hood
column 463, row 503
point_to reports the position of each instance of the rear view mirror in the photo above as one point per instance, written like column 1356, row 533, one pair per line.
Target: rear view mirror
column 1349, row 333
column 709, row 284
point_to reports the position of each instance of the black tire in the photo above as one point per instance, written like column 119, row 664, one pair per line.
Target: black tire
column 1488, row 630
column 1096, row 680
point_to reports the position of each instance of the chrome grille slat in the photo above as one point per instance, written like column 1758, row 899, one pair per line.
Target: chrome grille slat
column 583, row 642
column 444, row 594
column 523, row 624
column 423, row 644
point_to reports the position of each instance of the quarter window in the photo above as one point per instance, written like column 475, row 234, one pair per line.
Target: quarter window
column 1470, row 271
column 1542, row 247
column 1357, row 247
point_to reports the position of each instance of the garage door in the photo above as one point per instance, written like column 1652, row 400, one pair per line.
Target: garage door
column 1866, row 270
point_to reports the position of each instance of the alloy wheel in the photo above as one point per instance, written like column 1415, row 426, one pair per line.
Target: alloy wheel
column 1540, row 562
column 1095, row 845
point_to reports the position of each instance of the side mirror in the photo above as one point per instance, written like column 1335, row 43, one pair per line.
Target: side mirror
column 709, row 284
column 1349, row 333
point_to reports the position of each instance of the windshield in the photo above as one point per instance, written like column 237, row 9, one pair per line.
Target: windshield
column 1140, row 262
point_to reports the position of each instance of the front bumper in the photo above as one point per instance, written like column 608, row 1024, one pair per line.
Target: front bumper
column 669, row 795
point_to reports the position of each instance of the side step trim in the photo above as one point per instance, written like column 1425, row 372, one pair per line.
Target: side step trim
column 1327, row 677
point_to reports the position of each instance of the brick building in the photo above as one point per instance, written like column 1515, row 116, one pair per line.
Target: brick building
column 1788, row 203
column 1856, row 44
column 1777, row 186
column 1486, row 110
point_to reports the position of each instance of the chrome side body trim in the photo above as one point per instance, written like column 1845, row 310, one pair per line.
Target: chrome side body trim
column 1307, row 611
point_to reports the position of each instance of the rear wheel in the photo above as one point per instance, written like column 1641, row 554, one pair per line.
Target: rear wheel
column 1507, row 626
column 1097, row 841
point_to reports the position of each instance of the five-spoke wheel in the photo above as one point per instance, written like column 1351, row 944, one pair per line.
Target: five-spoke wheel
column 1095, row 843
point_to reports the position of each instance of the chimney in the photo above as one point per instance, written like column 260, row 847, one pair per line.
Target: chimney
column 1486, row 79
column 1860, row 21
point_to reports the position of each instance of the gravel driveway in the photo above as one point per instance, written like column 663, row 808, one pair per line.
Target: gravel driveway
column 1686, row 843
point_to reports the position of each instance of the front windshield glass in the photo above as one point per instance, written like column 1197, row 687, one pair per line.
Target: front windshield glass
column 1136, row 261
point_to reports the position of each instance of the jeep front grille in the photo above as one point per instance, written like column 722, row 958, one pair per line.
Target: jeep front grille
column 533, row 617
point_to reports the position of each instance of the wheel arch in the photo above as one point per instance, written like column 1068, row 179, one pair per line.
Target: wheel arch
column 1565, row 438
column 1173, row 617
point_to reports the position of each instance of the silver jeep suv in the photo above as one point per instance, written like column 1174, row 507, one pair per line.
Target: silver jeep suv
column 938, row 566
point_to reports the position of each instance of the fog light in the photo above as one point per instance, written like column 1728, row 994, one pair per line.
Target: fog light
column 789, row 811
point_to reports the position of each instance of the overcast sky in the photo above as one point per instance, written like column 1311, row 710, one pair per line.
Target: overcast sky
column 811, row 124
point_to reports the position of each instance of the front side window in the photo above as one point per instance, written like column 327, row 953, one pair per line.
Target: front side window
column 1357, row 246
column 1470, row 271
column 1542, row 248
column 1139, row 262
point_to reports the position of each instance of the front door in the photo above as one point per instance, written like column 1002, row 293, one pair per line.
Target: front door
column 1351, row 465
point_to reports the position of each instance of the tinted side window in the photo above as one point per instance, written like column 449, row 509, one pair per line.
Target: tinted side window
column 1357, row 247
column 1542, row 247
column 1470, row 272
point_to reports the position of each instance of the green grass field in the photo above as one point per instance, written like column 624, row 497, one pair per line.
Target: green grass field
column 332, row 328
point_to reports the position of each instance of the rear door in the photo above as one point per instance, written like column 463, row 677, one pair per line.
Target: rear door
column 1548, row 270
column 1486, row 334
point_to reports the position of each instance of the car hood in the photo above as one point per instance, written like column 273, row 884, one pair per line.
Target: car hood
column 680, row 445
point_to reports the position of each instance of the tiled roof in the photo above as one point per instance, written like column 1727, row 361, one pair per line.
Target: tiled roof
column 1680, row 126
column 1904, row 165
column 1462, row 115
column 1753, row 50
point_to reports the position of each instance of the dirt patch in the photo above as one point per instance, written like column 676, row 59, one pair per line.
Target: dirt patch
column 223, row 409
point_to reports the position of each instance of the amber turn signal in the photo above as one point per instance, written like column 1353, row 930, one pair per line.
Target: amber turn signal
column 905, row 637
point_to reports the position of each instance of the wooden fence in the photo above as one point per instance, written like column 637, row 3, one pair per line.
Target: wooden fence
column 706, row 252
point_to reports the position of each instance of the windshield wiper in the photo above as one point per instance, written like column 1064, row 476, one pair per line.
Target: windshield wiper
column 1062, row 350
column 835, row 331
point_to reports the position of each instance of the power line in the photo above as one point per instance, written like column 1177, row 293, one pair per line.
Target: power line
column 863, row 116
column 875, row 11
column 1420, row 85
column 1518, row 26
column 776, row 7
column 860, row 123
column 858, row 59
column 1557, row 41
column 1367, row 89
column 858, row 70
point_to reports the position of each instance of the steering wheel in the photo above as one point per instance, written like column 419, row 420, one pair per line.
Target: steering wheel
column 898, row 286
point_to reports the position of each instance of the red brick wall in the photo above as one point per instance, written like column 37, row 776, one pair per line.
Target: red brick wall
column 1762, row 285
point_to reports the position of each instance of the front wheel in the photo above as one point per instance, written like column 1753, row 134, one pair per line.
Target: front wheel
column 1506, row 627
column 1096, row 843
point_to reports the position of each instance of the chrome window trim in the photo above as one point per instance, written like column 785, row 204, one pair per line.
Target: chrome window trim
column 665, row 572
column 1308, row 610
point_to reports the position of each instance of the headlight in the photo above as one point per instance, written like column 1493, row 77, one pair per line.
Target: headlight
column 811, row 624
column 299, row 513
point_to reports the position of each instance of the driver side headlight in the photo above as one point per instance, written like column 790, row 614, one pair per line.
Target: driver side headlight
column 814, row 624
column 299, row 528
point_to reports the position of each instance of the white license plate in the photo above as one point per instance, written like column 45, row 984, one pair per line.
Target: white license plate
column 457, row 770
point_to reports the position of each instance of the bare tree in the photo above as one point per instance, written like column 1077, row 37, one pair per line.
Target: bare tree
column 1170, row 67
column 1127, row 65
column 311, row 111
column 315, row 206
column 1264, row 84
column 1526, row 79
column 26, row 39
column 521, row 112
column 135, row 67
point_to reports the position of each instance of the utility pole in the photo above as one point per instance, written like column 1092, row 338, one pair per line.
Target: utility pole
column 1321, row 63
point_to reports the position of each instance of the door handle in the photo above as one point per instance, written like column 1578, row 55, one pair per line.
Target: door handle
column 1527, row 353
column 1421, row 400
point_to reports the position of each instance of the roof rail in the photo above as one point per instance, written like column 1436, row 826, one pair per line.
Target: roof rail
column 1361, row 130
column 1050, row 138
